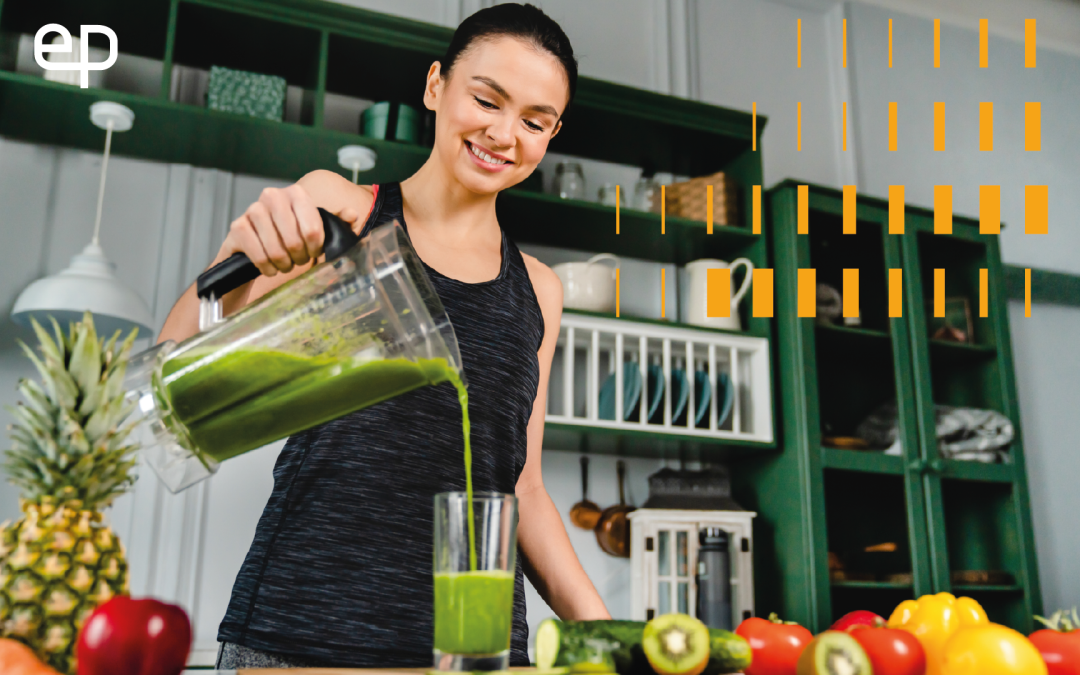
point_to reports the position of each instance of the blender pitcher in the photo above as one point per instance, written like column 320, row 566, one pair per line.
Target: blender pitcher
column 362, row 327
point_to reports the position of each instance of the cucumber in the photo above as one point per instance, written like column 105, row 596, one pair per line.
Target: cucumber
column 567, row 643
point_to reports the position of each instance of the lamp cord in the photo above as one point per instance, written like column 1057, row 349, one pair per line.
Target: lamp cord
column 104, row 171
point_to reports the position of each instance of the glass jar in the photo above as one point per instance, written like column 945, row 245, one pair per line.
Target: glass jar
column 569, row 180
column 609, row 195
column 646, row 193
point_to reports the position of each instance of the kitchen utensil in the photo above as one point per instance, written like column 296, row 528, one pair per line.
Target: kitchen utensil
column 631, row 393
column 609, row 196
column 697, row 306
column 714, row 579
column 569, row 180
column 589, row 285
column 474, row 595
column 391, row 121
column 705, row 490
column 585, row 514
column 613, row 529
column 364, row 326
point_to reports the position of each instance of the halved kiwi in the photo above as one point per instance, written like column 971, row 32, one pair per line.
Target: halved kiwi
column 834, row 653
column 676, row 644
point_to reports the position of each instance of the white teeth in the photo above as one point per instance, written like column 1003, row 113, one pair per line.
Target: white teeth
column 486, row 157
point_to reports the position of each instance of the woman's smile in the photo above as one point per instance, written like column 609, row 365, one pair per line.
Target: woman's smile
column 487, row 160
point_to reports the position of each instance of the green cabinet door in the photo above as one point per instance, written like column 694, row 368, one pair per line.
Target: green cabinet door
column 978, row 515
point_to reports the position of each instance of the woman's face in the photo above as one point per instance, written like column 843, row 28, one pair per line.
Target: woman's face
column 496, row 114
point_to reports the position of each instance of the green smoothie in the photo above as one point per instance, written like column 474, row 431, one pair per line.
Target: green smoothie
column 237, row 401
column 473, row 611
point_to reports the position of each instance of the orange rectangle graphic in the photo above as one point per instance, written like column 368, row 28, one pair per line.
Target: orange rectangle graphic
column 939, row 292
column 890, row 43
column 616, row 292
column 942, row 209
column 1036, row 209
column 798, row 126
column 618, row 200
column 798, row 43
column 708, row 209
column 718, row 292
column 989, row 209
column 984, row 292
column 1029, row 43
column 663, row 293
column 803, row 209
column 663, row 208
column 896, row 293
column 807, row 293
column 896, row 209
column 1032, row 126
column 849, row 209
column 753, row 126
column 1027, row 292
column 762, row 291
column 851, row 292
column 892, row 126
column 939, row 126
column 984, row 43
column 986, row 126
column 937, row 43
column 843, row 124
column 757, row 209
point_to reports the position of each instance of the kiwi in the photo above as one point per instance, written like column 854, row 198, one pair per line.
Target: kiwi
column 834, row 653
column 676, row 644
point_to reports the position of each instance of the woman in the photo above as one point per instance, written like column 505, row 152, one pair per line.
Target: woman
column 339, row 573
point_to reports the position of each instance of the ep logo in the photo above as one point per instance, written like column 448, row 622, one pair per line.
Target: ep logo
column 63, row 46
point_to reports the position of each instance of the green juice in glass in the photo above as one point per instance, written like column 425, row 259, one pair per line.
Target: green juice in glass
column 473, row 611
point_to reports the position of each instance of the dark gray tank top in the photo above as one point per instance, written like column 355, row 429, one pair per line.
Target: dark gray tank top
column 340, row 570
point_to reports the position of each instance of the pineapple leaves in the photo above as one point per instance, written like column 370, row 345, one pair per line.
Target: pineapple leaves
column 85, row 366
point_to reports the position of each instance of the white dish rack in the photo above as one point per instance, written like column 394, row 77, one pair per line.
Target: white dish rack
column 599, row 343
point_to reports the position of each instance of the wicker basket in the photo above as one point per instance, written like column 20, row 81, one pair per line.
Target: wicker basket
column 690, row 199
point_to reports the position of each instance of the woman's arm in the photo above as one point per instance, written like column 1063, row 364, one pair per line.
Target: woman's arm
column 549, row 558
column 282, row 234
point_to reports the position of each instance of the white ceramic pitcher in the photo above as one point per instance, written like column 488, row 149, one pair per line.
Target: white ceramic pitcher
column 697, row 304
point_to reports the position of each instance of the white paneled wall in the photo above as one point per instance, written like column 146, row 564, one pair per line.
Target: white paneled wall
column 162, row 224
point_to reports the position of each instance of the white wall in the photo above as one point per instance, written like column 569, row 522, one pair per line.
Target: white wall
column 162, row 223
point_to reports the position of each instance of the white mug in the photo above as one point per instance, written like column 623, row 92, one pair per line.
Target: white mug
column 588, row 285
column 697, row 303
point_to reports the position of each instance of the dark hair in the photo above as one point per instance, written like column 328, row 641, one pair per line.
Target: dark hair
column 525, row 22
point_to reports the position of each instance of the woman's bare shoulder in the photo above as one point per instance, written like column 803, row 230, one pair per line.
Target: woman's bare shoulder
column 335, row 193
column 546, row 285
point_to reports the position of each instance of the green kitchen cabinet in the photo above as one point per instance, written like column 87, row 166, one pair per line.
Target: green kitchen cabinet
column 923, row 517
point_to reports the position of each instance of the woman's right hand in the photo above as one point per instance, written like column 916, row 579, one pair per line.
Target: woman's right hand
column 280, row 231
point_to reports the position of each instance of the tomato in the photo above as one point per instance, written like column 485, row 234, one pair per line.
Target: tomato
column 858, row 618
column 776, row 645
column 892, row 651
column 990, row 649
column 1060, row 651
column 1059, row 642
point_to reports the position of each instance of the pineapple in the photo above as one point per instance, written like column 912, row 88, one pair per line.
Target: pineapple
column 70, row 460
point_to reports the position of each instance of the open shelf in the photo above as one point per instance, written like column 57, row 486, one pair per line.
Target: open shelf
column 832, row 251
column 852, row 381
column 864, row 510
column 961, row 351
column 981, row 527
column 961, row 259
column 967, row 589
column 873, row 585
column 979, row 471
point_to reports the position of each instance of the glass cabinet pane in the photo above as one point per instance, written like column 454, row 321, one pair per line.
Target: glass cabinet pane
column 664, row 553
column 684, row 597
column 683, row 553
column 664, row 599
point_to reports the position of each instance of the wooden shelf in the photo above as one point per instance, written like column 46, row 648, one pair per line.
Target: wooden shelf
column 872, row 585
column 978, row 588
column 961, row 351
column 662, row 322
column 869, row 461
column 852, row 332
column 968, row 470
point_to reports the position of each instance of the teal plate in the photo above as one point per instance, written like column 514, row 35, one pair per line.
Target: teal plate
column 702, row 394
column 725, row 398
column 631, row 392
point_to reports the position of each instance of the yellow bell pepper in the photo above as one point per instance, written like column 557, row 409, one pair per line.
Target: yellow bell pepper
column 991, row 650
column 933, row 619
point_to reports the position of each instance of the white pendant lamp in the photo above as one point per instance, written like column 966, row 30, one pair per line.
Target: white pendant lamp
column 356, row 158
column 89, row 282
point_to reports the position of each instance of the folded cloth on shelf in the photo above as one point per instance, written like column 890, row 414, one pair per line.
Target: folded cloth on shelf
column 963, row 433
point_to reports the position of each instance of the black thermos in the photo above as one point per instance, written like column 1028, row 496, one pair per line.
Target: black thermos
column 714, row 579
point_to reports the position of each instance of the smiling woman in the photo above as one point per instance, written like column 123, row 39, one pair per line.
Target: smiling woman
column 340, row 570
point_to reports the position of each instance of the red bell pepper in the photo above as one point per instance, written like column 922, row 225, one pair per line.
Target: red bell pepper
column 860, row 618
column 125, row 636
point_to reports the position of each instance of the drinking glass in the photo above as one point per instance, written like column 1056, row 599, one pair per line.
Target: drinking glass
column 609, row 196
column 474, row 592
column 646, row 194
column 570, row 180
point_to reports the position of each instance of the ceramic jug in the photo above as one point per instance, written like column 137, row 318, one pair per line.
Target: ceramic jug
column 697, row 297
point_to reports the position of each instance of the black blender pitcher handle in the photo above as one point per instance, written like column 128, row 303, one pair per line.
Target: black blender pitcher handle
column 237, row 269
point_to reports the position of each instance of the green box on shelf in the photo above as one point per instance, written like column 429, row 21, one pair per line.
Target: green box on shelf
column 252, row 94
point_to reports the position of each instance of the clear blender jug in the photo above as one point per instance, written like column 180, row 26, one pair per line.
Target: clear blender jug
column 362, row 327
